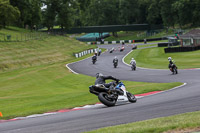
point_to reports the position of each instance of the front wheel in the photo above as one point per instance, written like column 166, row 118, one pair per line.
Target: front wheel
column 131, row 97
column 106, row 100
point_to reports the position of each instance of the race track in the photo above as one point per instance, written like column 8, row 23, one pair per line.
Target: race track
column 176, row 101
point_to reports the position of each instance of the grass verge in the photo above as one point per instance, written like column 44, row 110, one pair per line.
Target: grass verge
column 172, row 124
column 157, row 58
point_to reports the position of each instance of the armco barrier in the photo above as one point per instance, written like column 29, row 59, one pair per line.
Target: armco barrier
column 127, row 41
column 181, row 49
column 163, row 44
column 88, row 51
column 168, row 44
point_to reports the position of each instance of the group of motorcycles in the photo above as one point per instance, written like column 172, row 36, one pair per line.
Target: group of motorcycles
column 115, row 64
column 110, row 97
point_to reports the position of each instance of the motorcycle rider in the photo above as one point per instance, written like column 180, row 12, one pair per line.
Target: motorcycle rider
column 94, row 57
column 115, row 60
column 171, row 63
column 101, row 79
column 133, row 62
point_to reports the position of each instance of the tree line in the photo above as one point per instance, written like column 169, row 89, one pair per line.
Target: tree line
column 78, row 13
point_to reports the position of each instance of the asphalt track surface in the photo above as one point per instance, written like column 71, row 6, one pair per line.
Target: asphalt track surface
column 171, row 102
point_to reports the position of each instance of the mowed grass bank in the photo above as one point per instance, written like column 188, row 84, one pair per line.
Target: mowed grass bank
column 34, row 78
column 183, row 123
column 157, row 58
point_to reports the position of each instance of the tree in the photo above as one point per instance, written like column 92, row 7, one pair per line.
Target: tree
column 196, row 12
column 67, row 13
column 182, row 9
column 23, row 6
column 49, row 13
column 34, row 14
column 154, row 16
column 30, row 12
column 167, row 12
column 8, row 13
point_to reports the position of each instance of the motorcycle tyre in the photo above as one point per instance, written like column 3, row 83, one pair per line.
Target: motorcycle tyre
column 133, row 68
column 176, row 71
column 105, row 101
column 93, row 62
column 131, row 97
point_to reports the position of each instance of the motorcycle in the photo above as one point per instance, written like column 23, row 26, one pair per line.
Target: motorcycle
column 93, row 61
column 173, row 68
column 115, row 63
column 110, row 97
column 133, row 67
column 122, row 49
column 111, row 50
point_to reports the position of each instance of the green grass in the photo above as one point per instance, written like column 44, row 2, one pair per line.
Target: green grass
column 157, row 58
column 36, row 52
column 34, row 78
column 172, row 124
column 52, row 87
column 18, row 34
column 146, row 45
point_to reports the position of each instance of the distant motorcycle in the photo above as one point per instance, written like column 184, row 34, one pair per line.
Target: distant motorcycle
column 115, row 63
column 111, row 50
column 94, row 61
column 173, row 68
column 110, row 97
column 122, row 49
column 133, row 67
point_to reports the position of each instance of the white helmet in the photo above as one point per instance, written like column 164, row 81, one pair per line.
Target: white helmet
column 132, row 58
column 169, row 58
column 99, row 75
column 115, row 57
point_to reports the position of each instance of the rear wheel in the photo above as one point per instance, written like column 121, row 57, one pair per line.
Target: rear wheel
column 176, row 71
column 93, row 61
column 105, row 99
column 131, row 97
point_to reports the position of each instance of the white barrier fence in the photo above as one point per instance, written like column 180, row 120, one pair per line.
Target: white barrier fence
column 89, row 51
column 113, row 42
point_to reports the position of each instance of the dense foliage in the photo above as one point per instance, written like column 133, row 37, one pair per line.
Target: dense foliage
column 77, row 13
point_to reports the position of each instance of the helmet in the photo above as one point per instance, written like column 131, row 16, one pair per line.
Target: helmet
column 169, row 58
column 132, row 58
column 115, row 57
column 99, row 75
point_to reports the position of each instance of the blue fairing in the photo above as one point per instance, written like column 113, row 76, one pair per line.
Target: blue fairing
column 119, row 85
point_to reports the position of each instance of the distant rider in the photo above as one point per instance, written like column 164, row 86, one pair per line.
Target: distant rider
column 115, row 60
column 99, row 52
column 101, row 79
column 133, row 62
column 94, row 57
column 171, row 63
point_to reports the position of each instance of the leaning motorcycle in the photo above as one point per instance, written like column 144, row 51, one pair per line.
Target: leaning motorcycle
column 110, row 97
column 173, row 68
